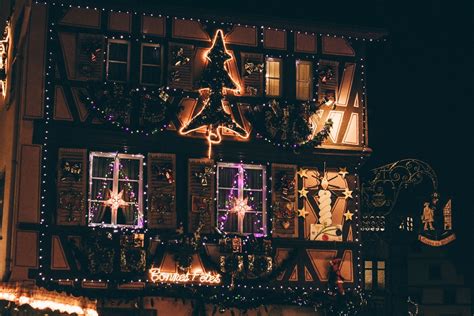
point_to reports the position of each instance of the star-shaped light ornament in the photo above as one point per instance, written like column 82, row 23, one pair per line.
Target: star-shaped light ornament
column 303, row 212
column 240, row 206
column 347, row 193
column 303, row 192
column 348, row 215
column 115, row 202
column 215, row 80
column 303, row 173
column 343, row 172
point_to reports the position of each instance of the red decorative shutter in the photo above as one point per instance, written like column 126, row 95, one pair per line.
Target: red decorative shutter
column 72, row 187
column 90, row 56
column 180, row 68
column 161, row 171
column 284, row 200
column 201, row 190
column 253, row 83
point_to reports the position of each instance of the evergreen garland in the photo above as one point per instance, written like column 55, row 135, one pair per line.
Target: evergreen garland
column 288, row 125
column 142, row 109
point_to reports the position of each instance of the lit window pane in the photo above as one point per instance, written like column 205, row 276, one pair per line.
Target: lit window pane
column 273, row 87
column 273, row 69
column 381, row 279
column 368, row 264
column 303, row 80
column 302, row 91
column 116, row 174
column 303, row 71
column 273, row 77
column 380, row 264
column 368, row 279
column 245, row 183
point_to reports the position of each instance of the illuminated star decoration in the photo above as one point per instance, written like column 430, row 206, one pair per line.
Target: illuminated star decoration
column 215, row 79
column 115, row 202
column 348, row 215
column 240, row 206
column 303, row 192
column 343, row 172
column 302, row 173
column 347, row 193
column 303, row 212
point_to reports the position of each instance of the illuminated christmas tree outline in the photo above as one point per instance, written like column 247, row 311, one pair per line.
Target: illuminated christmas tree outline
column 214, row 80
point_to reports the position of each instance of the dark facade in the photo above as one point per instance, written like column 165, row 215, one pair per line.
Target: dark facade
column 151, row 154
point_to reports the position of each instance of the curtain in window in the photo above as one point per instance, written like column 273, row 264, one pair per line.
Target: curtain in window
column 303, row 80
column 273, row 78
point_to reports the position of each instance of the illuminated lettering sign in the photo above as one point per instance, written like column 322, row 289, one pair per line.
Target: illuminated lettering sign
column 158, row 276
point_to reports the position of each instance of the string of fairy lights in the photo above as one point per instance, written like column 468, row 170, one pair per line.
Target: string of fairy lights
column 106, row 193
column 217, row 22
column 46, row 174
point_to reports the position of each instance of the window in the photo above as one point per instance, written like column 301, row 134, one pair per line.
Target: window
column 374, row 275
column 150, row 70
column 304, row 79
column 241, row 196
column 115, row 190
column 273, row 77
column 368, row 272
column 328, row 82
column 118, row 60
column 380, row 274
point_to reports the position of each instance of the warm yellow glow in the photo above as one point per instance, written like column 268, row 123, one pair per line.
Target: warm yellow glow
column 215, row 137
column 195, row 276
column 42, row 299
column 240, row 206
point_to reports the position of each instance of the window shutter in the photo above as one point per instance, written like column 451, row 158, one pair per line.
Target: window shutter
column 71, row 187
column 252, row 78
column 90, row 56
column 284, row 200
column 180, row 73
column 201, row 190
column 328, row 73
column 161, row 191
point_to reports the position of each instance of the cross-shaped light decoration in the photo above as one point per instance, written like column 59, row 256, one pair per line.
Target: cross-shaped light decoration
column 115, row 202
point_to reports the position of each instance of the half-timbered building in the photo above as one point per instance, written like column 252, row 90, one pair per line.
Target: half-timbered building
column 149, row 154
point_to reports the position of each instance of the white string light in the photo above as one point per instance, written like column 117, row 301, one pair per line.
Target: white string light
column 45, row 171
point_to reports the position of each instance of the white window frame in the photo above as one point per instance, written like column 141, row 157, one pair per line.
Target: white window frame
column 241, row 189
column 309, row 82
column 118, row 41
column 267, row 76
column 115, row 187
column 150, row 65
